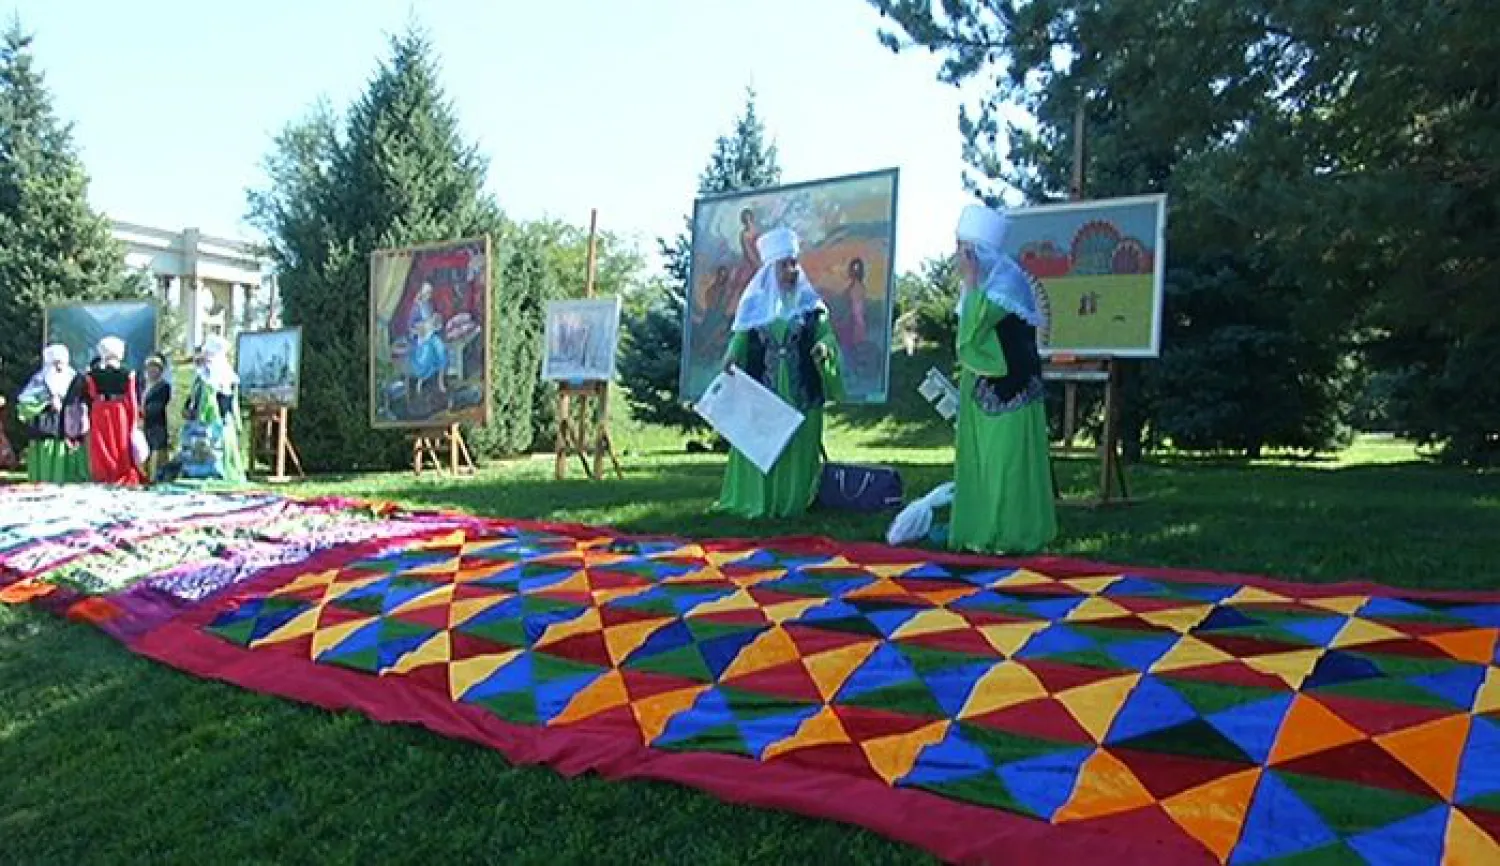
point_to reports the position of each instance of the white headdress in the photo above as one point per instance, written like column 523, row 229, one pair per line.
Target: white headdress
column 111, row 351
column 57, row 371
column 214, row 367
column 764, row 300
column 1003, row 281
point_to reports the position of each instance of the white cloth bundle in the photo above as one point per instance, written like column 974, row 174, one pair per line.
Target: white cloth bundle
column 915, row 520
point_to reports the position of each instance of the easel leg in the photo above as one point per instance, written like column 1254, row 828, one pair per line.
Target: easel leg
column 1109, row 447
column 281, row 442
column 564, row 425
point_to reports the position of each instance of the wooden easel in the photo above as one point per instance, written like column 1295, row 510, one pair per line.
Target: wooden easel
column 271, row 436
column 1072, row 373
column 574, row 429
column 427, row 445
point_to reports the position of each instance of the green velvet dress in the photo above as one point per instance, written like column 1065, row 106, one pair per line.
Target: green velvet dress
column 1002, row 498
column 779, row 356
column 52, row 458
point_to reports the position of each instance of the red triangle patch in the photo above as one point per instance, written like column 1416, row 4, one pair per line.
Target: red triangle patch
column 750, row 616
column 643, row 684
column 1362, row 763
column 1058, row 676
column 789, row 680
column 843, row 759
column 588, row 648
column 1150, row 604
column 433, row 676
column 1411, row 648
column 866, row 724
column 605, row 579
column 1378, row 717
column 768, row 597
column 1045, row 719
column 467, row 646
column 333, row 615
column 1243, row 647
column 1165, row 775
column 810, row 640
column 466, row 591
column 1231, row 673
column 979, row 618
column 613, row 615
column 963, row 640
column 435, row 616
column 1487, row 820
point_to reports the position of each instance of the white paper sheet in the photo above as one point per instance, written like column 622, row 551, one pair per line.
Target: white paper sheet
column 754, row 420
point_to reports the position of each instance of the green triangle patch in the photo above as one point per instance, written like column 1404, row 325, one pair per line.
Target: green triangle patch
column 1195, row 739
column 911, row 698
column 684, row 662
column 1004, row 747
column 518, row 707
column 984, row 789
column 1351, row 809
column 720, row 738
column 1209, row 698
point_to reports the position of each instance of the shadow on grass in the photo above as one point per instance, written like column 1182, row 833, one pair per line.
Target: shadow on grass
column 109, row 758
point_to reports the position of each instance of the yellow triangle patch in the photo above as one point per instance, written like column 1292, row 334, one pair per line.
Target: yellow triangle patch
column 464, row 673
column 1004, row 685
column 331, row 636
column 830, row 669
column 1096, row 608
column 437, row 650
column 1190, row 652
column 823, row 729
column 773, row 647
column 1362, row 631
column 931, row 621
column 584, row 623
column 303, row 624
column 654, row 713
column 1179, row 619
column 893, row 757
column 1096, row 705
column 1092, row 585
column 1292, row 668
column 623, row 639
column 1008, row 639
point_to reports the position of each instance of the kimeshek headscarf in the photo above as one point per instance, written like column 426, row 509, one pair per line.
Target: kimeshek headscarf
column 214, row 367
column 111, row 351
column 764, row 300
column 57, row 372
column 1001, row 279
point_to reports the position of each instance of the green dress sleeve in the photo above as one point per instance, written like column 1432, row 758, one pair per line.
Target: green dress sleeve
column 979, row 347
column 27, row 410
column 739, row 349
column 831, row 368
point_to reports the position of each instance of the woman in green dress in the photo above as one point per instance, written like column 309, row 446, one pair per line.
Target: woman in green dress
column 210, row 448
column 53, row 409
column 1002, row 498
column 782, row 338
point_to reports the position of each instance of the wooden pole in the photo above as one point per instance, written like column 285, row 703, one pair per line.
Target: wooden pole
column 588, row 285
column 281, row 443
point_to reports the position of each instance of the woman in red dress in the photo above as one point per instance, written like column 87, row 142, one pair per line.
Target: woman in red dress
column 114, row 413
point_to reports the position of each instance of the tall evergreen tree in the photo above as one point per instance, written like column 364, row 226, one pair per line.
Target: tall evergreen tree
column 397, row 173
column 650, row 364
column 53, row 246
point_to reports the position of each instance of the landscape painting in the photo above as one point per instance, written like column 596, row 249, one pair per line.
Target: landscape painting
column 269, row 364
column 581, row 340
column 81, row 326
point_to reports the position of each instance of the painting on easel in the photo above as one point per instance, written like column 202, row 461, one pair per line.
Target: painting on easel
column 429, row 335
column 269, row 364
column 581, row 338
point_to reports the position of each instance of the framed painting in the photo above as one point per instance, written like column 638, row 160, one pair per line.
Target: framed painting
column 429, row 335
column 1099, row 270
column 269, row 364
column 847, row 226
column 582, row 337
column 81, row 326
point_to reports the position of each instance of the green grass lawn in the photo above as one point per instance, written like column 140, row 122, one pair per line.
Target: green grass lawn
column 107, row 758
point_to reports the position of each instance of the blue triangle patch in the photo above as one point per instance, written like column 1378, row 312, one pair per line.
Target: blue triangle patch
column 1279, row 824
column 952, row 758
column 885, row 667
column 720, row 652
column 1417, row 840
column 1043, row 784
column 1253, row 727
column 1319, row 631
column 710, row 710
column 366, row 637
column 1336, row 668
column 674, row 635
column 1055, row 639
column 761, row 733
column 1458, row 686
column 1142, row 654
column 890, row 621
column 1225, row 617
column 268, row 623
column 553, row 696
column 512, row 677
column 1151, row 706
column 951, row 687
column 1391, row 607
column 1487, row 615
column 1479, row 771
column 1055, row 608
column 393, row 649
column 1132, row 585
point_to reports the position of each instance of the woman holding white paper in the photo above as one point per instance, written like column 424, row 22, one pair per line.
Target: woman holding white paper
column 781, row 336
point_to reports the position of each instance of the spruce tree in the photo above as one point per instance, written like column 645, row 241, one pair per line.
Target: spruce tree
column 397, row 173
column 53, row 247
column 650, row 362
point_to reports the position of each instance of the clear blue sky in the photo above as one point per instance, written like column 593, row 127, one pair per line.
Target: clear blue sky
column 175, row 102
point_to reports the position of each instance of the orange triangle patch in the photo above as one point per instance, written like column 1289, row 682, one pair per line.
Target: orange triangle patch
column 1214, row 814
column 653, row 713
column 773, row 647
column 823, row 729
column 1105, row 787
column 1309, row 728
column 1432, row 751
column 1476, row 646
column 602, row 694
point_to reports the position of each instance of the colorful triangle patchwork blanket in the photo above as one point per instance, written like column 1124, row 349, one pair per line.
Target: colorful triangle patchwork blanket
column 986, row 710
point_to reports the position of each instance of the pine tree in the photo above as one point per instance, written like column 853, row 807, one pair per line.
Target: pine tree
column 398, row 173
column 650, row 362
column 53, row 246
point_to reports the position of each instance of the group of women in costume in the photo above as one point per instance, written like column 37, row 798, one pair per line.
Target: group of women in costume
column 103, row 426
column 82, row 425
column 1002, row 488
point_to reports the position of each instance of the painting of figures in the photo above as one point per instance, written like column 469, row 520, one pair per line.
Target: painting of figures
column 429, row 340
column 847, row 230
